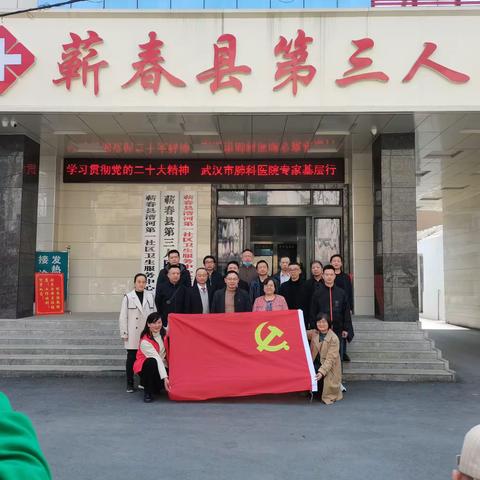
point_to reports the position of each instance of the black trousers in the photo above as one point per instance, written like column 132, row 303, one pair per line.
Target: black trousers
column 131, row 356
column 320, row 388
column 150, row 378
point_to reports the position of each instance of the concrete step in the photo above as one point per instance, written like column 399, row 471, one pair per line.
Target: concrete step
column 61, row 370
column 409, row 364
column 391, row 335
column 80, row 340
column 375, row 355
column 390, row 326
column 63, row 349
column 400, row 375
column 60, row 332
column 63, row 360
column 390, row 345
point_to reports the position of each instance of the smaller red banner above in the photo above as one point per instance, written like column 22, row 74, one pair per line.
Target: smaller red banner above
column 49, row 293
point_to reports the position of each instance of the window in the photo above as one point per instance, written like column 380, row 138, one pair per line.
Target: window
column 278, row 197
column 326, row 197
column 231, row 197
column 229, row 240
column 327, row 238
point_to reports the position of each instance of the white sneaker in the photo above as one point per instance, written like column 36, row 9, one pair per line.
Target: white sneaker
column 343, row 388
column 141, row 387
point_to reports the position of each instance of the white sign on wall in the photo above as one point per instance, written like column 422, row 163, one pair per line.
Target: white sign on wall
column 313, row 61
column 150, row 245
column 188, row 231
column 169, row 232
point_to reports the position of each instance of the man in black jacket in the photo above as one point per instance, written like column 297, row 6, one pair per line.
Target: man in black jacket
column 215, row 279
column 174, row 259
column 295, row 292
column 199, row 297
column 231, row 298
column 233, row 265
column 170, row 296
column 333, row 300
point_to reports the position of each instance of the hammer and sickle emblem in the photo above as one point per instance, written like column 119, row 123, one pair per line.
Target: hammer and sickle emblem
column 264, row 343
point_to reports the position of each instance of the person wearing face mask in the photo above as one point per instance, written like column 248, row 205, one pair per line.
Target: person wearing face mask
column 137, row 305
column 151, row 360
column 247, row 271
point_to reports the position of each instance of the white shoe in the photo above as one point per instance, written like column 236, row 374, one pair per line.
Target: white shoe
column 343, row 388
column 141, row 387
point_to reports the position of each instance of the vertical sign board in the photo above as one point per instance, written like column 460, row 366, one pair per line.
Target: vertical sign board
column 49, row 294
column 53, row 262
column 169, row 230
column 151, row 241
column 188, row 231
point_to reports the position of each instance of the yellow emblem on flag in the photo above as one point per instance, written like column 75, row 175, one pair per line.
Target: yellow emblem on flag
column 264, row 343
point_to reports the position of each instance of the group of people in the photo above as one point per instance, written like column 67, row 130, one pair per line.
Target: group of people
column 326, row 300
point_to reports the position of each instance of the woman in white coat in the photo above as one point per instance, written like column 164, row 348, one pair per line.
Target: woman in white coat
column 137, row 305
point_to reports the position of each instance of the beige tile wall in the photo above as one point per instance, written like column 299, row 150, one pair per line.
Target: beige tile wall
column 46, row 202
column 102, row 226
column 362, row 215
column 461, row 247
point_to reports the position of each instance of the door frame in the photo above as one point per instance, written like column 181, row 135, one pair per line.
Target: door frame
column 309, row 211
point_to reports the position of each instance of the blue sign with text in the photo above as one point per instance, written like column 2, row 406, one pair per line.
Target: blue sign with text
column 53, row 262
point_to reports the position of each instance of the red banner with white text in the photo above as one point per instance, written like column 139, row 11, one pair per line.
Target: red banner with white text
column 238, row 354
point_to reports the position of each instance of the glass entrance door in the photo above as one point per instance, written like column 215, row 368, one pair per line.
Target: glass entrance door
column 302, row 224
column 272, row 238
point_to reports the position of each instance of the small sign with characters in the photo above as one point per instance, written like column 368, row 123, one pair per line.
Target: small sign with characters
column 49, row 293
column 53, row 262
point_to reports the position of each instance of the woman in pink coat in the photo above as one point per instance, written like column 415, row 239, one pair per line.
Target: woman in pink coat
column 269, row 301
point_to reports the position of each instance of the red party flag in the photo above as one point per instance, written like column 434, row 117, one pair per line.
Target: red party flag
column 238, row 354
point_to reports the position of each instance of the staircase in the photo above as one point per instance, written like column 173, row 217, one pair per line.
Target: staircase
column 394, row 351
column 61, row 345
column 89, row 344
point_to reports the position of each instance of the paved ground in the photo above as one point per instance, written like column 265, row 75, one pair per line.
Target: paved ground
column 90, row 429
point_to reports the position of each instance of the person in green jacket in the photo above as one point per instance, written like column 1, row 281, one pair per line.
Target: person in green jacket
column 20, row 455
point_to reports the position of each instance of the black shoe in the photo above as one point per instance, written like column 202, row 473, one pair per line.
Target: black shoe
column 130, row 388
column 147, row 397
column 346, row 358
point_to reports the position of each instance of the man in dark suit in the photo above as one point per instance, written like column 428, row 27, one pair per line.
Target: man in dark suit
column 199, row 297
column 231, row 298
column 215, row 279
column 294, row 291
column 174, row 259
column 233, row 265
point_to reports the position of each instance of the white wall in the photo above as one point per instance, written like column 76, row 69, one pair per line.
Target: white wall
column 433, row 274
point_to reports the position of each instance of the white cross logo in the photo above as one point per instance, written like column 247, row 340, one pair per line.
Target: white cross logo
column 7, row 59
